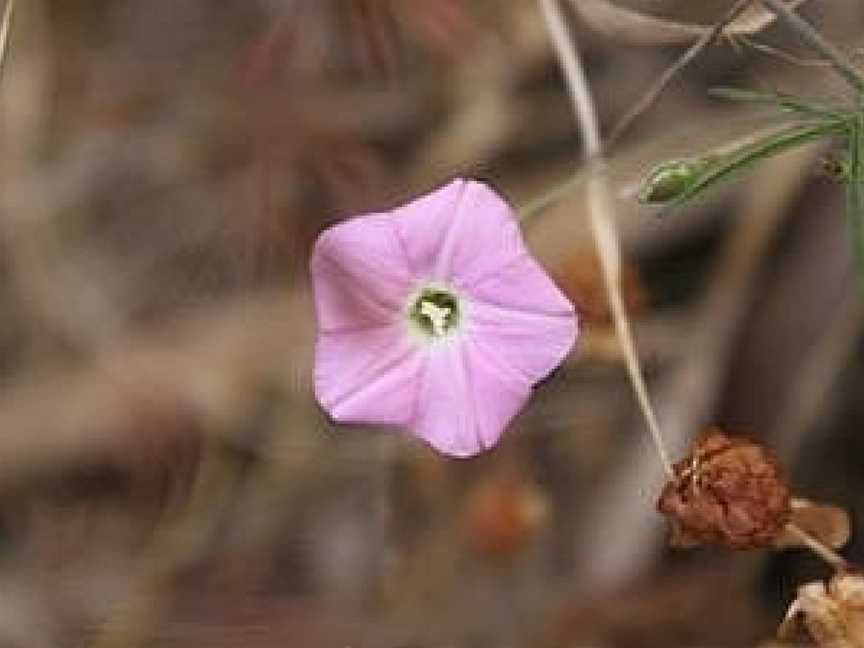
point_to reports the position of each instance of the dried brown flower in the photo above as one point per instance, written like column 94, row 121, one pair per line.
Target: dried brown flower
column 833, row 616
column 729, row 491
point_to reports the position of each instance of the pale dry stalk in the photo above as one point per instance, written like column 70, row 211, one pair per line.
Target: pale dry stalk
column 601, row 212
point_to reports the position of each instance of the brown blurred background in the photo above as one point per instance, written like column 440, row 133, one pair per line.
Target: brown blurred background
column 166, row 478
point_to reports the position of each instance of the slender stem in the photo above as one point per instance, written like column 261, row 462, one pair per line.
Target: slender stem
column 840, row 63
column 601, row 211
column 5, row 27
column 550, row 196
column 574, row 75
column 822, row 550
column 650, row 96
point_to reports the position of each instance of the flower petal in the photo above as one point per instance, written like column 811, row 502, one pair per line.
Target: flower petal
column 459, row 233
column 369, row 376
column 458, row 393
column 520, row 315
column 466, row 399
column 360, row 273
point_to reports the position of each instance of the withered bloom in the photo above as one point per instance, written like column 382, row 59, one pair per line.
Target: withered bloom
column 730, row 491
column 832, row 616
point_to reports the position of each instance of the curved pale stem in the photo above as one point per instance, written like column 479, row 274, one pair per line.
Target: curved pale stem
column 601, row 212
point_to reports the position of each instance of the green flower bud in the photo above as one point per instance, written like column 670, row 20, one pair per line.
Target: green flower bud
column 669, row 180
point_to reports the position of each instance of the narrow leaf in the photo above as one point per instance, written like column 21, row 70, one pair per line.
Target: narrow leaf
column 855, row 191
column 782, row 101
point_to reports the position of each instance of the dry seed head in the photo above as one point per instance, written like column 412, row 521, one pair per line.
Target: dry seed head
column 730, row 491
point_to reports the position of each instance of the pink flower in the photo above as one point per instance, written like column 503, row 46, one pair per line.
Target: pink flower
column 434, row 317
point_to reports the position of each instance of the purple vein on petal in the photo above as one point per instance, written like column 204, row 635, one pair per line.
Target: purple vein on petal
column 422, row 377
column 444, row 259
column 334, row 265
column 409, row 263
column 446, row 417
column 522, row 382
column 468, row 387
column 354, row 328
column 342, row 303
column 534, row 343
column 372, row 374
column 502, row 315
column 493, row 272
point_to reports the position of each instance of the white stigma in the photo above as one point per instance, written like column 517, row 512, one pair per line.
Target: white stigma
column 437, row 316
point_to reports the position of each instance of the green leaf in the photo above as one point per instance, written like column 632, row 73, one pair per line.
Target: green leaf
column 787, row 103
column 855, row 192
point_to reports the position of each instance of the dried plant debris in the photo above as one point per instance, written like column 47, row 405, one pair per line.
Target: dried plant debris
column 730, row 491
column 636, row 28
column 832, row 615
column 502, row 516
column 828, row 524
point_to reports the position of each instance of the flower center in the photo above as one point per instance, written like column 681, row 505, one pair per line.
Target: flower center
column 435, row 312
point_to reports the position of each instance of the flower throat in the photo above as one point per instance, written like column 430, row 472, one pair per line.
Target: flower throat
column 435, row 312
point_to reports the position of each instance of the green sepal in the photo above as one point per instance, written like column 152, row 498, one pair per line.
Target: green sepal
column 670, row 179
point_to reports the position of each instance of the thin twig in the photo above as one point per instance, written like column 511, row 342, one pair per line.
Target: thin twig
column 5, row 28
column 672, row 71
column 600, row 210
column 838, row 61
column 549, row 197
column 783, row 56
column 822, row 550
